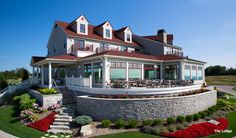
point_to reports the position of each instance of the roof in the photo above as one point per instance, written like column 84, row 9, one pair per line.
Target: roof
column 136, row 55
column 93, row 35
column 66, row 57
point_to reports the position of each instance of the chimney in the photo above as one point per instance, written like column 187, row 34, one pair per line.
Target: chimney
column 162, row 35
column 170, row 38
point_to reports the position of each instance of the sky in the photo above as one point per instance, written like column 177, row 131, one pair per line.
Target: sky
column 206, row 29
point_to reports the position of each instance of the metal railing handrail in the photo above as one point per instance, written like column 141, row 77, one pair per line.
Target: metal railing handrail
column 54, row 82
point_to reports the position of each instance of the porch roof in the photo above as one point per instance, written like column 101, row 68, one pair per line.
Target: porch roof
column 66, row 59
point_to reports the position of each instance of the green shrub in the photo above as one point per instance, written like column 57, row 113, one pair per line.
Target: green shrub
column 83, row 120
column 171, row 120
column 196, row 117
column 164, row 130
column 24, row 101
column 189, row 118
column 146, row 129
column 180, row 119
column 172, row 128
column 157, row 122
column 155, row 131
column 202, row 114
column 147, row 122
column 106, row 123
column 120, row 123
column 47, row 91
column 132, row 123
column 186, row 124
column 179, row 126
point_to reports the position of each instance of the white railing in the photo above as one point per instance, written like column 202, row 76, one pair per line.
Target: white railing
column 79, row 81
column 11, row 89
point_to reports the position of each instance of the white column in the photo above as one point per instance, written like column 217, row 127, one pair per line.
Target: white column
column 142, row 71
column 104, row 72
column 37, row 75
column 33, row 75
column 127, row 71
column 42, row 75
column 161, row 71
column 182, row 67
column 49, row 75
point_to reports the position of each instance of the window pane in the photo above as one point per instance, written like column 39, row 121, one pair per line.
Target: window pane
column 108, row 33
column 187, row 72
column 134, row 73
column 117, row 73
column 199, row 73
column 82, row 28
column 194, row 72
column 128, row 37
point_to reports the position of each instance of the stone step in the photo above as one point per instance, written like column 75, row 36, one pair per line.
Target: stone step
column 59, row 127
column 63, row 116
column 57, row 131
column 61, row 123
column 63, row 113
column 62, row 120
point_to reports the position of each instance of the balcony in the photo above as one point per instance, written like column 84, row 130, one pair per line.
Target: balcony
column 106, row 48
column 176, row 53
column 87, row 47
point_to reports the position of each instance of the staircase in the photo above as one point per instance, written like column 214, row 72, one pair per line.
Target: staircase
column 69, row 96
column 62, row 120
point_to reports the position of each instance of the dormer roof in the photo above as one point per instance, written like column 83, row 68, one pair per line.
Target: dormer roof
column 123, row 29
column 82, row 17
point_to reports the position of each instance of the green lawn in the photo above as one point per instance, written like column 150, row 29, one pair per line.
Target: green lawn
column 132, row 134
column 234, row 88
column 10, row 124
column 221, row 80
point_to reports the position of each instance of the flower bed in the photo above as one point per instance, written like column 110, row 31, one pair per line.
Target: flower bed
column 43, row 124
column 199, row 130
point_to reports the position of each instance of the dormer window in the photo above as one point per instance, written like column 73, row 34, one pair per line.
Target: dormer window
column 128, row 37
column 82, row 28
column 107, row 33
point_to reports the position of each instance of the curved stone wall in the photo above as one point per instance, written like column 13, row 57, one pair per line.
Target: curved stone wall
column 142, row 109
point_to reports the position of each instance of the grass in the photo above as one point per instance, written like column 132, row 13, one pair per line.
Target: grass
column 221, row 80
column 10, row 124
column 14, row 81
column 132, row 134
column 234, row 88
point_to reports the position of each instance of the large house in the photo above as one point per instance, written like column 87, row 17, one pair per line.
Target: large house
column 104, row 54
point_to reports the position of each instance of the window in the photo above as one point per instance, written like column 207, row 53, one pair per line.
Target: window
column 108, row 33
column 117, row 70
column 123, row 48
column 97, row 72
column 54, row 50
column 103, row 46
column 135, row 71
column 64, row 43
column 171, row 72
column 128, row 37
column 194, row 72
column 87, row 70
column 151, row 71
column 82, row 28
column 199, row 73
column 79, row 45
column 187, row 72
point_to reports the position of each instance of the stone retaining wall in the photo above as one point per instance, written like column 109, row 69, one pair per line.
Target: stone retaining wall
column 46, row 100
column 144, row 108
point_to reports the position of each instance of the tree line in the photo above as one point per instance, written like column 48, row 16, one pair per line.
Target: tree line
column 219, row 70
column 13, row 74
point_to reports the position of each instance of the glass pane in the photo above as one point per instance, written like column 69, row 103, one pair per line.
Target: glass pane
column 199, row 74
column 134, row 73
column 171, row 72
column 118, row 73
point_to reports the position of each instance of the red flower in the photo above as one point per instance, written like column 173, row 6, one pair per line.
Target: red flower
column 199, row 130
column 43, row 124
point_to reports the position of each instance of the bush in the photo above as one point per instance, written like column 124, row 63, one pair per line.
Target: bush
column 120, row 123
column 172, row 128
column 171, row 120
column 47, row 91
column 196, row 117
column 106, row 123
column 189, row 118
column 24, row 101
column 155, row 131
column 132, row 123
column 186, row 124
column 147, row 122
column 146, row 129
column 157, row 122
column 3, row 83
column 164, row 130
column 179, row 126
column 202, row 114
column 180, row 119
column 83, row 120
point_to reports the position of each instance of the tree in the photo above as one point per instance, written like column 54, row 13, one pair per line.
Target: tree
column 25, row 75
column 3, row 83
